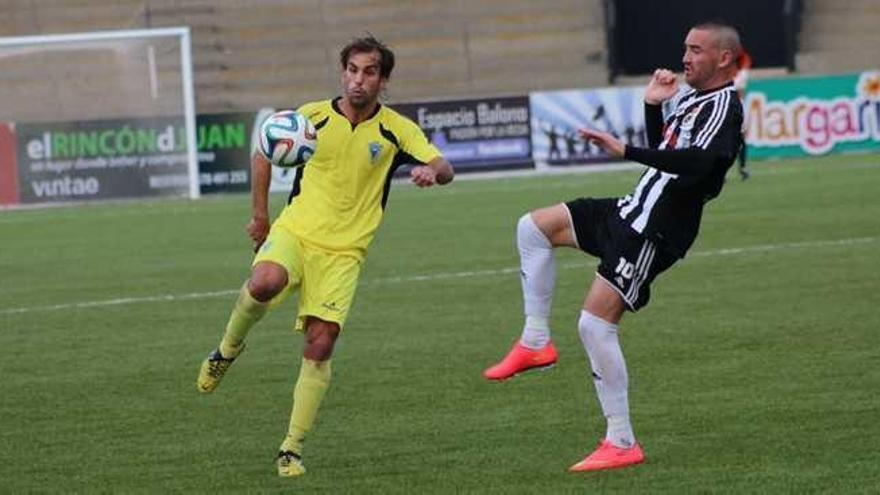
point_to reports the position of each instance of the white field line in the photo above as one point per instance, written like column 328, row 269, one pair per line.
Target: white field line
column 427, row 277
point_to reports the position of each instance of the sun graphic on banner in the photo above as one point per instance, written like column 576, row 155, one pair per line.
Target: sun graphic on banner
column 870, row 85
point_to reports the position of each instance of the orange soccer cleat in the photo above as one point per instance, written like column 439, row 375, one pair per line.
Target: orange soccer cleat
column 521, row 359
column 607, row 456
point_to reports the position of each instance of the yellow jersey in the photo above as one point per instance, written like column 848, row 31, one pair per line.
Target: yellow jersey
column 339, row 196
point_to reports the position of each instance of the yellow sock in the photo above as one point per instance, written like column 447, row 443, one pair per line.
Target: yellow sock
column 246, row 312
column 314, row 378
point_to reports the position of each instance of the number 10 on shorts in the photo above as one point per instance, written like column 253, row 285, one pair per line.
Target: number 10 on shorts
column 625, row 268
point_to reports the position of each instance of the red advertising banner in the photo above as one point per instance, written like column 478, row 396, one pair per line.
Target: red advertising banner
column 8, row 165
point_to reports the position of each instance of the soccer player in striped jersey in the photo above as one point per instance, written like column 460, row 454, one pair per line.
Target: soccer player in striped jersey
column 638, row 236
column 318, row 243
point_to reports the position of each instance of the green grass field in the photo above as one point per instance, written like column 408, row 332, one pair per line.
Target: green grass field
column 756, row 368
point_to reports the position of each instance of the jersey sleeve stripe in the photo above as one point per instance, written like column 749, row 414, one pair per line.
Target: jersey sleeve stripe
column 720, row 123
column 713, row 116
column 717, row 125
column 722, row 118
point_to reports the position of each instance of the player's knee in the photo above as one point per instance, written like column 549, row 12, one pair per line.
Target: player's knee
column 529, row 233
column 524, row 225
column 266, row 284
column 551, row 224
column 320, row 339
column 593, row 329
column 264, row 290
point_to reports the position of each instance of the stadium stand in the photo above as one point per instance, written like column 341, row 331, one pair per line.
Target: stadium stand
column 276, row 53
column 839, row 36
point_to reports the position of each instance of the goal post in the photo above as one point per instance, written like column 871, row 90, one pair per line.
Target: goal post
column 101, row 115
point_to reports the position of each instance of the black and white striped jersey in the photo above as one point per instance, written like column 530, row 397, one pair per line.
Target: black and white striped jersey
column 688, row 158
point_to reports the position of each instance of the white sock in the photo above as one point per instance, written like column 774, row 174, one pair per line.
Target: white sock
column 609, row 376
column 538, row 276
column 536, row 333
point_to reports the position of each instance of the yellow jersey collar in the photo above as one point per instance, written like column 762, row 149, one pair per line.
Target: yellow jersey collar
column 335, row 104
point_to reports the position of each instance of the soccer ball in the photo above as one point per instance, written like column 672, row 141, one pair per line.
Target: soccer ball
column 288, row 139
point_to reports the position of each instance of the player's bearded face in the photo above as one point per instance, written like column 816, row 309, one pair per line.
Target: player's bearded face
column 701, row 58
column 361, row 80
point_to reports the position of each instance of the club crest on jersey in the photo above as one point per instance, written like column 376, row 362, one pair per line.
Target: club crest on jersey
column 687, row 125
column 688, row 121
column 375, row 150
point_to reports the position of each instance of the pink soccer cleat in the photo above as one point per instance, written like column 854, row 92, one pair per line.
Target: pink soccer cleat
column 521, row 359
column 607, row 456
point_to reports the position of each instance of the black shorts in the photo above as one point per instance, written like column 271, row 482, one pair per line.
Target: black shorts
column 629, row 261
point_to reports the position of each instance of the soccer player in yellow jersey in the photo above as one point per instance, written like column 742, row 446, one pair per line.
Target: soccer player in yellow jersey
column 318, row 242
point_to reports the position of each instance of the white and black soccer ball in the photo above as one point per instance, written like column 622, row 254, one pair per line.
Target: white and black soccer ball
column 288, row 139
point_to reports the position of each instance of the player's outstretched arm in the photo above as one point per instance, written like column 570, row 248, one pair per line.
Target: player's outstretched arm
column 604, row 140
column 261, row 176
column 444, row 171
column 437, row 171
column 688, row 161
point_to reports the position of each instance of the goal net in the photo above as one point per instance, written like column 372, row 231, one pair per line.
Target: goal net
column 102, row 115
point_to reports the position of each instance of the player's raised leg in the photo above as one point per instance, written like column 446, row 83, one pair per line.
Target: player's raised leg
column 267, row 280
column 537, row 233
column 312, row 384
column 598, row 330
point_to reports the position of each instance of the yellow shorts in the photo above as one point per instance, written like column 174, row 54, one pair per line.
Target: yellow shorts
column 326, row 280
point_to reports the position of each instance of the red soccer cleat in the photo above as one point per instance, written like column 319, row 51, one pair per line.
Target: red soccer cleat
column 521, row 359
column 607, row 456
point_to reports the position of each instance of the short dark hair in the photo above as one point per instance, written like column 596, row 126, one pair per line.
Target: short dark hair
column 368, row 44
column 726, row 35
